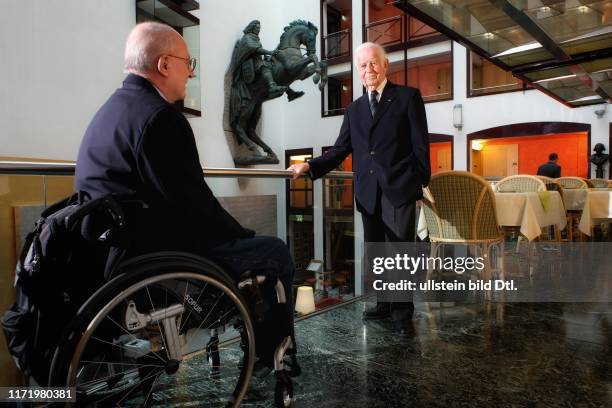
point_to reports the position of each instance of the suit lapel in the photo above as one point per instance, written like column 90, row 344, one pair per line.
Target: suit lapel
column 385, row 101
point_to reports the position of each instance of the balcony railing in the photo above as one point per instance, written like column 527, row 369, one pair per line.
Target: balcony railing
column 398, row 30
column 337, row 44
column 389, row 31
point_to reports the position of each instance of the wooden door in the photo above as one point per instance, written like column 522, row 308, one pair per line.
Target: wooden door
column 500, row 160
column 444, row 159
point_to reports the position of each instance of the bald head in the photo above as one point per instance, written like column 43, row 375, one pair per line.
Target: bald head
column 145, row 44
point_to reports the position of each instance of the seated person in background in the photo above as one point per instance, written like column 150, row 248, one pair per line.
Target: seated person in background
column 139, row 144
column 551, row 168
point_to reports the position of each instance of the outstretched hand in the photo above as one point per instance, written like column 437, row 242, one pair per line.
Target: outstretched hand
column 299, row 169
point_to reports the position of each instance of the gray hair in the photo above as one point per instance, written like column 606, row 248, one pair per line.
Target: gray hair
column 366, row 45
column 145, row 44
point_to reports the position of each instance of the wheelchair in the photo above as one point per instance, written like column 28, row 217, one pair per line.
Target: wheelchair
column 168, row 326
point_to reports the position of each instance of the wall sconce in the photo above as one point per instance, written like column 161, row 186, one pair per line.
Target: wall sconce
column 477, row 145
column 600, row 110
column 344, row 88
column 458, row 116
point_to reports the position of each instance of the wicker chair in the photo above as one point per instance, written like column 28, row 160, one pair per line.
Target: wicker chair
column 573, row 216
column 521, row 183
column 599, row 183
column 572, row 182
column 459, row 207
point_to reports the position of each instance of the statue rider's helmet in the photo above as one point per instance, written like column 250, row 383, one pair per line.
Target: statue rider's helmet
column 251, row 27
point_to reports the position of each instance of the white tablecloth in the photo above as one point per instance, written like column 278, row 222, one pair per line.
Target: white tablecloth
column 525, row 210
column 598, row 205
column 520, row 209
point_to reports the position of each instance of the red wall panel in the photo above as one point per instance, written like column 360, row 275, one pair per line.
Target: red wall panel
column 534, row 151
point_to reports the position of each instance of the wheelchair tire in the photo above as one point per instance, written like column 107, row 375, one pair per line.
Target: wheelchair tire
column 144, row 332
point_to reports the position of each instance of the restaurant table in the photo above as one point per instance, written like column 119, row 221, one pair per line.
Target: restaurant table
column 597, row 205
column 524, row 210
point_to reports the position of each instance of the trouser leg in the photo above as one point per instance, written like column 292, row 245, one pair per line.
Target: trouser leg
column 267, row 256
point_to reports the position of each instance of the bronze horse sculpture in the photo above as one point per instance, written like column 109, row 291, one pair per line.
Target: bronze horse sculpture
column 256, row 80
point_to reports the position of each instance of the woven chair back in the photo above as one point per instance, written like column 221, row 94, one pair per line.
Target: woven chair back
column 460, row 207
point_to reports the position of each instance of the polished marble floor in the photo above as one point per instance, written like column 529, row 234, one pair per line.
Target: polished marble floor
column 518, row 355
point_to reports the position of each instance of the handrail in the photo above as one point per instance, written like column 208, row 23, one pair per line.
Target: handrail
column 67, row 169
column 382, row 21
column 336, row 33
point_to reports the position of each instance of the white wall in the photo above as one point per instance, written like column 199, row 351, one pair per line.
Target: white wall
column 61, row 61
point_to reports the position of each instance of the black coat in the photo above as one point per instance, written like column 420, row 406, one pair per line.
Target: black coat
column 390, row 150
column 139, row 144
column 550, row 169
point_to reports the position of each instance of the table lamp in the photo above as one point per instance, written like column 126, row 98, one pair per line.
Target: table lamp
column 304, row 302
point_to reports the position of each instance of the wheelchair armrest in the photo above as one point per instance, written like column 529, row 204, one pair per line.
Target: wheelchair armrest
column 251, row 281
column 281, row 297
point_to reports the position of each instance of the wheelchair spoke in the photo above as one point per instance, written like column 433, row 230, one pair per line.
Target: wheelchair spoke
column 197, row 301
column 156, row 375
column 213, row 308
column 220, row 318
column 158, row 326
column 108, row 377
column 151, row 390
column 123, row 364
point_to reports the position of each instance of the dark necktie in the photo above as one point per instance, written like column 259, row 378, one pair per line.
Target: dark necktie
column 373, row 102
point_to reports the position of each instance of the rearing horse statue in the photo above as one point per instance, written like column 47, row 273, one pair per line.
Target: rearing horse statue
column 256, row 80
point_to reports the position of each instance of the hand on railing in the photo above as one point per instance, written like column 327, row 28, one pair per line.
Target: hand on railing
column 299, row 169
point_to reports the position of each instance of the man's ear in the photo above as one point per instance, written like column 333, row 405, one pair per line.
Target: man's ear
column 162, row 66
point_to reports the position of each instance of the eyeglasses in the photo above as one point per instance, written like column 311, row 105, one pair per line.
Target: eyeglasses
column 191, row 62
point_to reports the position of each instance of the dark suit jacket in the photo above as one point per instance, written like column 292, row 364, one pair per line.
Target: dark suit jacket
column 390, row 150
column 139, row 144
column 550, row 169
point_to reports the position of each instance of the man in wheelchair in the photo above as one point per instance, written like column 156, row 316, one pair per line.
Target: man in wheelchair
column 161, row 307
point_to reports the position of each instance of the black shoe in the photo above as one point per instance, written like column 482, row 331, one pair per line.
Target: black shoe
column 382, row 310
column 402, row 320
column 404, row 328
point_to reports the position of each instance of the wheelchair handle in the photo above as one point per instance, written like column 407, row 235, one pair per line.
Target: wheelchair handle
column 108, row 203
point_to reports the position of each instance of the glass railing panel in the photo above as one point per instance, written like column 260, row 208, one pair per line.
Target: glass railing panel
column 22, row 197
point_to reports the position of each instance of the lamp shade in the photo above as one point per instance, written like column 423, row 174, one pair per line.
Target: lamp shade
column 304, row 302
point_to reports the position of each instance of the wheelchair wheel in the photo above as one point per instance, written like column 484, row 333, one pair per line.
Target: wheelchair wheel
column 145, row 338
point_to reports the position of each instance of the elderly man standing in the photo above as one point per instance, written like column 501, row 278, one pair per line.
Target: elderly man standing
column 386, row 130
column 139, row 144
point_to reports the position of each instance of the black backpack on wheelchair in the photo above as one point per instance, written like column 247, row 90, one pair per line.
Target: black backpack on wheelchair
column 58, row 267
column 114, row 329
